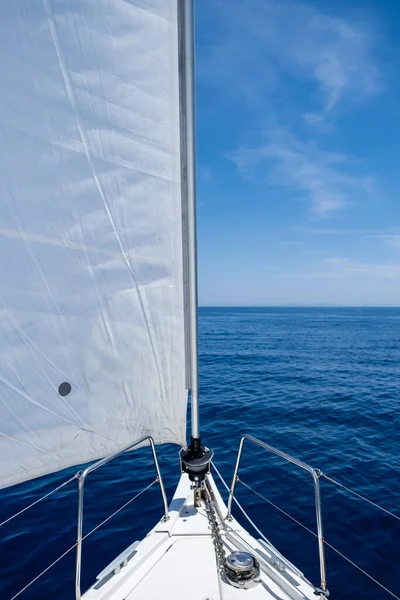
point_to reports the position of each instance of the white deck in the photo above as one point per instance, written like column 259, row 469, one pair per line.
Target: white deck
column 176, row 561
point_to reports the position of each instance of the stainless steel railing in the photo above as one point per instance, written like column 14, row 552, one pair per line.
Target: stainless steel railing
column 315, row 473
column 81, row 487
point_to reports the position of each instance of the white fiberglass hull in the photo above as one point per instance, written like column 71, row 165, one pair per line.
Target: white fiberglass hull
column 177, row 560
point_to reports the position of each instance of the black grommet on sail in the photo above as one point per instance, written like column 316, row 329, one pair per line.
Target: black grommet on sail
column 64, row 388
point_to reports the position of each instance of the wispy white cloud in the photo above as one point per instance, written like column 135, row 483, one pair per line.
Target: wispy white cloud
column 293, row 63
column 339, row 56
column 349, row 269
column 339, row 231
column 265, row 43
column 390, row 236
column 344, row 267
column 304, row 169
column 391, row 240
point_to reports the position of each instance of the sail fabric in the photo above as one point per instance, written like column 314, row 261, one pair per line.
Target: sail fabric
column 92, row 351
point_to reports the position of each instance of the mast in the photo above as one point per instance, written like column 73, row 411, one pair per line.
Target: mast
column 186, row 12
column 196, row 459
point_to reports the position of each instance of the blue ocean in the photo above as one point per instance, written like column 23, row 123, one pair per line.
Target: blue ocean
column 322, row 384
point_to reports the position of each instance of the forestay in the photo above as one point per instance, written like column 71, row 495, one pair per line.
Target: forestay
column 91, row 283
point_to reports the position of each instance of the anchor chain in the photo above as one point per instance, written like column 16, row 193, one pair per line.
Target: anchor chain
column 215, row 530
column 239, row 569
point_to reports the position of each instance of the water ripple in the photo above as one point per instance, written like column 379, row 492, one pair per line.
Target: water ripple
column 321, row 384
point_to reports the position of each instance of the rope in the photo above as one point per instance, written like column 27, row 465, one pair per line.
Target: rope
column 325, row 542
column 360, row 496
column 37, row 501
column 87, row 535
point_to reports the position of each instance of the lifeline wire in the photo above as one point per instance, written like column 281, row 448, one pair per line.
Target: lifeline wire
column 119, row 510
column 325, row 542
column 277, row 507
column 87, row 535
column 43, row 572
column 360, row 496
column 37, row 501
column 260, row 533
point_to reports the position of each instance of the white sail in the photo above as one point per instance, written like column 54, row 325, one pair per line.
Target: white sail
column 92, row 351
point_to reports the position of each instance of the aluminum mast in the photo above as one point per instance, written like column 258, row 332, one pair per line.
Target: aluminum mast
column 188, row 158
column 196, row 459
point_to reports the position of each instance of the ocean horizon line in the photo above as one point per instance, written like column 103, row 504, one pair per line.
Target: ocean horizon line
column 347, row 306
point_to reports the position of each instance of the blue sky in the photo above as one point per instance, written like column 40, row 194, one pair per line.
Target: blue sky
column 298, row 118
